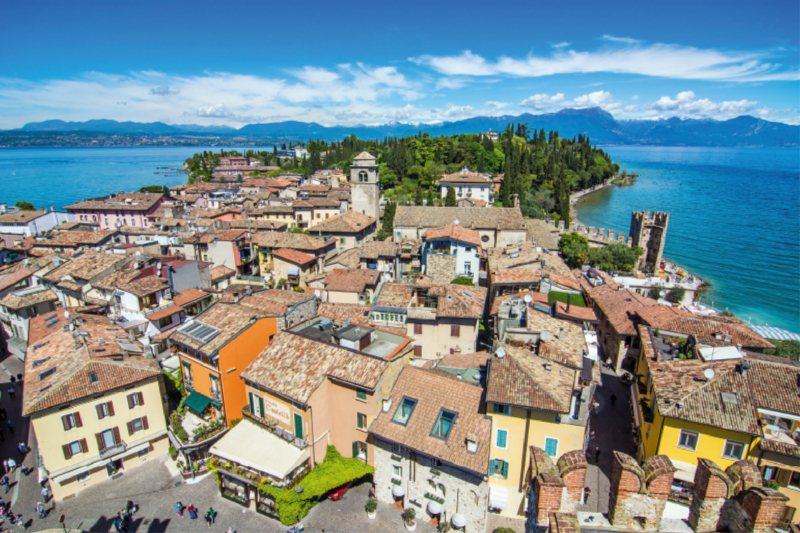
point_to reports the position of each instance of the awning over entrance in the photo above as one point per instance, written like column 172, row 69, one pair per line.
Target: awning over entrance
column 498, row 497
column 685, row 471
column 196, row 402
column 253, row 446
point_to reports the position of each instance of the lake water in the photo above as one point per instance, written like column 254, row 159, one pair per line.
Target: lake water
column 734, row 212
column 734, row 221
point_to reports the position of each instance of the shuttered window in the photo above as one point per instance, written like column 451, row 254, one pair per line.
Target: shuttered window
column 75, row 448
column 138, row 424
column 417, row 351
column 501, row 440
column 498, row 467
column 361, row 420
column 551, row 447
column 134, row 400
column 417, row 329
column 104, row 410
column 71, row 421
column 455, row 331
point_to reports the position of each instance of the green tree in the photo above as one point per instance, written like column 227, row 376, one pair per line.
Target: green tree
column 418, row 199
column 387, row 227
column 450, row 199
column 24, row 206
column 655, row 292
column 574, row 249
column 463, row 280
column 675, row 295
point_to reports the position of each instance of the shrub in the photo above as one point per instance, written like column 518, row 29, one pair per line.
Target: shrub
column 676, row 295
column 444, row 527
column 371, row 505
column 503, row 530
column 409, row 514
column 462, row 280
column 173, row 452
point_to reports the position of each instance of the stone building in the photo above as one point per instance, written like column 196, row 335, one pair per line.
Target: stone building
column 432, row 449
column 364, row 185
column 649, row 231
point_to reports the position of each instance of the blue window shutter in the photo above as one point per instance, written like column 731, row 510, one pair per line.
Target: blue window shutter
column 491, row 466
column 551, row 447
column 502, row 438
column 505, row 469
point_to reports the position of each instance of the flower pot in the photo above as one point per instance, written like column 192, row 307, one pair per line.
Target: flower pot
column 411, row 526
column 372, row 515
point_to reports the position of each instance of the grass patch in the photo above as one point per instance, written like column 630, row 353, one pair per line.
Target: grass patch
column 556, row 296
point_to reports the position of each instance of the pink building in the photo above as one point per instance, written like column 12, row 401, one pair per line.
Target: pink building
column 124, row 209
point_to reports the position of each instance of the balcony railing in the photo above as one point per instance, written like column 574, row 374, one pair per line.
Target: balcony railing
column 216, row 396
column 113, row 450
column 273, row 426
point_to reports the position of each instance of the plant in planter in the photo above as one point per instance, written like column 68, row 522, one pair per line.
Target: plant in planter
column 444, row 527
column 173, row 453
column 371, row 507
column 408, row 517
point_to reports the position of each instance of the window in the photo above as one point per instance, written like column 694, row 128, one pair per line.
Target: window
column 498, row 467
column 298, row 426
column 417, row 329
column 733, row 450
column 75, row 448
column 404, row 410
column 104, row 410
column 135, row 400
column 794, row 481
column 417, row 351
column 137, row 424
column 360, row 450
column 343, row 240
column 397, row 472
column 83, row 476
column 361, row 394
column 502, row 409
column 501, row 439
column 143, row 453
column 71, row 421
column 93, row 377
column 551, row 447
column 688, row 439
column 443, row 424
column 166, row 321
column 770, row 473
column 455, row 331
column 361, row 420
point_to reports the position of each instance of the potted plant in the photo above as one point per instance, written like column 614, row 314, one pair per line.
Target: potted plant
column 371, row 507
column 408, row 517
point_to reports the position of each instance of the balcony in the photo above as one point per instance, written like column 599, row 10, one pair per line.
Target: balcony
column 216, row 396
column 272, row 425
column 113, row 450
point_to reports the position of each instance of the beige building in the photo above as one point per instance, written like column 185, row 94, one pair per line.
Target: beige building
column 498, row 226
column 352, row 286
column 95, row 404
column 293, row 266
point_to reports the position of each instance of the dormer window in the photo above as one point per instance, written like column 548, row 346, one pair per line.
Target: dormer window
column 404, row 411
column 444, row 423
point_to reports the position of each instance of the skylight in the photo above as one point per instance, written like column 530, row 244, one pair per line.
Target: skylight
column 404, row 411
column 443, row 424
column 729, row 398
column 200, row 332
column 47, row 373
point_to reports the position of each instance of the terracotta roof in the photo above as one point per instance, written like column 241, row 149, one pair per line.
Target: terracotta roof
column 232, row 234
column 349, row 222
column 576, row 312
column 58, row 366
column 704, row 328
column 116, row 278
column 434, row 392
column 537, row 298
column 541, row 233
column 363, row 156
column 516, row 276
column 139, row 201
column 453, row 233
column 294, row 256
column 474, row 201
column 273, row 209
column 146, row 285
column 378, row 249
column 620, row 307
column 782, row 448
column 521, row 378
column 565, row 344
column 341, row 280
column 230, row 319
column 85, row 266
column 295, row 366
column 165, row 312
column 189, row 296
column 465, row 176
column 28, row 298
column 349, row 259
column 459, row 301
column 468, row 217
column 315, row 188
column 249, row 223
column 221, row 272
column 775, row 386
column 470, row 360
column 565, row 281
column 21, row 217
column 294, row 241
column 77, row 238
column 274, row 302
column 70, row 285
column 10, row 280
column 395, row 294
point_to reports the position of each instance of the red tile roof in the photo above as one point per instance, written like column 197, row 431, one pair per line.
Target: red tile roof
column 453, row 233
column 341, row 280
column 293, row 256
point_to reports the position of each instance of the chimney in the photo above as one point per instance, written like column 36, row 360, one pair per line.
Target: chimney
column 560, row 332
column 569, row 300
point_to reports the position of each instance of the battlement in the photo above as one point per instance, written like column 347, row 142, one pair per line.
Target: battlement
column 656, row 218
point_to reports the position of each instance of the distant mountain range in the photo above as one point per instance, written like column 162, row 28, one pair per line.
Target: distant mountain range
column 599, row 125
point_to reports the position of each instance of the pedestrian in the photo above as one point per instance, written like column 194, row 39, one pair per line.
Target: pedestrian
column 609, row 363
column 613, row 399
column 597, row 454
column 11, row 392
column 179, row 509
column 45, row 494
column 40, row 510
column 21, row 522
column 213, row 514
column 192, row 511
column 4, row 482
column 23, row 448
column 230, row 530
column 118, row 524
column 5, row 465
column 3, row 413
column 10, row 426
column 131, row 508
column 12, row 464
column 207, row 518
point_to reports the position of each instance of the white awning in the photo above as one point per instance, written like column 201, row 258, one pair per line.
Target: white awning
column 458, row 520
column 434, row 507
column 498, row 497
column 293, row 271
column 685, row 471
column 253, row 446
column 398, row 491
column 126, row 452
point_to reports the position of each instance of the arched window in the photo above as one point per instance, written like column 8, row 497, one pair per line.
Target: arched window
column 362, row 176
column 474, row 497
column 441, row 490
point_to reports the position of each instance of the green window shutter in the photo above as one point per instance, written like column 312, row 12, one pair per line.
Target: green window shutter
column 298, row 426
column 252, row 404
column 502, row 438
column 261, row 406
column 551, row 447
column 491, row 466
column 355, row 449
column 505, row 469
column 361, row 394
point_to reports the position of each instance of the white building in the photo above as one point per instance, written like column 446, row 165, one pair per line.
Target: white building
column 451, row 251
column 15, row 224
column 467, row 185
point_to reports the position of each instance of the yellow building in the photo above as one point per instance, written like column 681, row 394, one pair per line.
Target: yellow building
column 533, row 400
column 95, row 403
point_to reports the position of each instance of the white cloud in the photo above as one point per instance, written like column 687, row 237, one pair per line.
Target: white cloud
column 497, row 105
column 686, row 104
column 596, row 99
column 164, row 90
column 542, row 101
column 560, row 45
column 451, row 83
column 624, row 56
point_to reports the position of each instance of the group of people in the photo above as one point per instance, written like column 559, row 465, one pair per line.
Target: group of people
column 7, row 515
column 209, row 517
column 123, row 518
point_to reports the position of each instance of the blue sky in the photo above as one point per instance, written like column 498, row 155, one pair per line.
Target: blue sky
column 239, row 62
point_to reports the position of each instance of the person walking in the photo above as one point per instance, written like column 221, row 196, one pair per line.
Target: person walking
column 131, row 508
column 12, row 465
column 40, row 510
column 213, row 514
column 192, row 511
column 207, row 518
column 613, row 399
column 4, row 482
column 45, row 494
column 597, row 454
column 3, row 414
column 10, row 426
column 11, row 392
column 179, row 509
column 21, row 522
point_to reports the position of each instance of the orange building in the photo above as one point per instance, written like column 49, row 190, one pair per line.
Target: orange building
column 214, row 349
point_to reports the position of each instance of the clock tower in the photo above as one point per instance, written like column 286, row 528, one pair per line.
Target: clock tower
column 364, row 188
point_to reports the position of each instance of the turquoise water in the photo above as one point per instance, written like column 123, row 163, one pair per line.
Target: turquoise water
column 734, row 221
column 49, row 177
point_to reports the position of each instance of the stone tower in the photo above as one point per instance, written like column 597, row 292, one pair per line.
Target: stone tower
column 365, row 192
column 649, row 232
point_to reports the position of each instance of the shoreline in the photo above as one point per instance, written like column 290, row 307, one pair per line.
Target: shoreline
column 576, row 197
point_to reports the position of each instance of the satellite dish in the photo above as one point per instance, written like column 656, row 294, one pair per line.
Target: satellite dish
column 544, row 336
column 317, row 294
column 66, row 314
column 708, row 373
column 528, row 298
column 456, row 222
column 500, row 353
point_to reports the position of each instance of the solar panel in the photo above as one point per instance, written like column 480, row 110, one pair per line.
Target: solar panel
column 36, row 347
column 200, row 332
column 51, row 324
